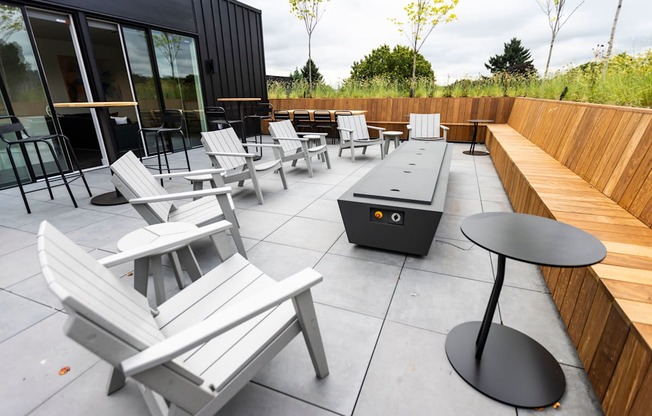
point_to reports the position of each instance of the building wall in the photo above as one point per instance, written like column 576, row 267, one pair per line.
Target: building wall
column 229, row 33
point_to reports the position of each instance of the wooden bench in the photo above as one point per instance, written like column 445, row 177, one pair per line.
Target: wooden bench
column 590, row 166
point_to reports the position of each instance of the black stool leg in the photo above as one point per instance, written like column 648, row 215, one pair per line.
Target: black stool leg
column 45, row 174
column 63, row 177
column 73, row 157
column 185, row 149
column 18, row 181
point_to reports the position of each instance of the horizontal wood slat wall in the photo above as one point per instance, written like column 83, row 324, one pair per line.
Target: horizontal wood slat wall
column 394, row 113
column 609, row 147
column 607, row 308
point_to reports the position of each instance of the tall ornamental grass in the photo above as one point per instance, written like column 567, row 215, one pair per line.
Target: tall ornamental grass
column 627, row 82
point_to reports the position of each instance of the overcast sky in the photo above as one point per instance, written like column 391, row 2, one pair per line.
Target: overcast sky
column 351, row 29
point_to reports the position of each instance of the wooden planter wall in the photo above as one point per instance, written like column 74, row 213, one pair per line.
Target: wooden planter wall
column 394, row 113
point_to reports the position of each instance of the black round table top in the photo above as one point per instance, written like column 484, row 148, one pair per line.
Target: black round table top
column 533, row 239
column 480, row 121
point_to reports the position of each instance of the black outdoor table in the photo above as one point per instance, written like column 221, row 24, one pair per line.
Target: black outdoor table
column 472, row 150
column 498, row 361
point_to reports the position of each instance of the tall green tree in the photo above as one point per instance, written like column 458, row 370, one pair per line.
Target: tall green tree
column 516, row 59
column 308, row 70
column 396, row 64
column 422, row 18
column 309, row 12
column 557, row 18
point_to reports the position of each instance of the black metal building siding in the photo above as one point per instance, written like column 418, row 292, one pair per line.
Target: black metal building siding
column 234, row 43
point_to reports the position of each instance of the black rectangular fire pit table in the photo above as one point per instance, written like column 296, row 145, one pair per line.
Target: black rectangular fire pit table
column 398, row 204
column 498, row 361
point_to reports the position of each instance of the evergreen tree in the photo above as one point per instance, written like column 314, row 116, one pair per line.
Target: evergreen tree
column 311, row 69
column 515, row 59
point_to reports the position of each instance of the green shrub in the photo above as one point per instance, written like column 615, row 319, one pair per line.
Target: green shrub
column 628, row 82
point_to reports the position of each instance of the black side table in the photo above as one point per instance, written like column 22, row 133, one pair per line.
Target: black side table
column 472, row 150
column 498, row 361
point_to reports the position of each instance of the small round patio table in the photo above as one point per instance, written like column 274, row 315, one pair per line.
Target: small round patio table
column 498, row 361
column 472, row 150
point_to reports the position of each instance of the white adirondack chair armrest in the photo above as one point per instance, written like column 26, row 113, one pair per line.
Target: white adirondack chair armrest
column 300, row 139
column 376, row 128
column 229, row 154
column 261, row 145
column 220, row 322
column 181, row 195
column 190, row 173
column 444, row 127
column 409, row 127
column 166, row 244
column 345, row 129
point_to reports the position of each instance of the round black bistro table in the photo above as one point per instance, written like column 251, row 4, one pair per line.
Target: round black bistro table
column 499, row 361
column 472, row 150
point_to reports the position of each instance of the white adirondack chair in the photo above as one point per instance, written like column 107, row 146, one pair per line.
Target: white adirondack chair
column 155, row 204
column 226, row 151
column 354, row 132
column 201, row 346
column 294, row 147
column 426, row 127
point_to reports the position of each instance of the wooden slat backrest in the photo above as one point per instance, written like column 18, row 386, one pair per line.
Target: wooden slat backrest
column 87, row 288
column 424, row 126
column 356, row 123
column 135, row 176
column 225, row 141
column 609, row 147
column 285, row 129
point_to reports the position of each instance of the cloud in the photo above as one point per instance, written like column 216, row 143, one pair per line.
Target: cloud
column 351, row 29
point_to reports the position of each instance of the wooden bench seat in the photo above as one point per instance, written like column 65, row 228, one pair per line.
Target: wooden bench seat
column 607, row 307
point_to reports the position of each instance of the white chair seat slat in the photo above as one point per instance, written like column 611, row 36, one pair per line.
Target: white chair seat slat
column 200, row 305
column 199, row 212
column 272, row 164
column 229, row 365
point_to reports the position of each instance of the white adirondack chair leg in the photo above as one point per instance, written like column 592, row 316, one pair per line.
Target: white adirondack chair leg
column 382, row 154
column 310, row 329
column 187, row 258
column 141, row 273
column 328, row 160
column 176, row 267
column 157, row 276
column 155, row 403
column 254, row 181
column 309, row 165
column 116, row 381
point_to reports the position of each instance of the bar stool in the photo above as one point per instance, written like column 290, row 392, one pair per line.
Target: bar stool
column 22, row 139
column 172, row 124
column 262, row 111
column 301, row 121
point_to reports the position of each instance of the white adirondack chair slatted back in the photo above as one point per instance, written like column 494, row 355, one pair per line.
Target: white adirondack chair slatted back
column 88, row 289
column 285, row 129
column 425, row 126
column 135, row 176
column 227, row 141
column 357, row 123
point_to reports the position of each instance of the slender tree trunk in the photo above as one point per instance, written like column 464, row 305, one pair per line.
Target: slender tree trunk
column 611, row 40
column 552, row 43
column 414, row 69
column 309, row 65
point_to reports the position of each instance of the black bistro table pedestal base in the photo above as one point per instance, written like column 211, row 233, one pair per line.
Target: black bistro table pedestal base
column 514, row 368
column 476, row 152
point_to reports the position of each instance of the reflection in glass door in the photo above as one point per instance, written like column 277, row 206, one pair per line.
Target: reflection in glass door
column 67, row 82
column 112, row 67
column 25, row 97
column 176, row 59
